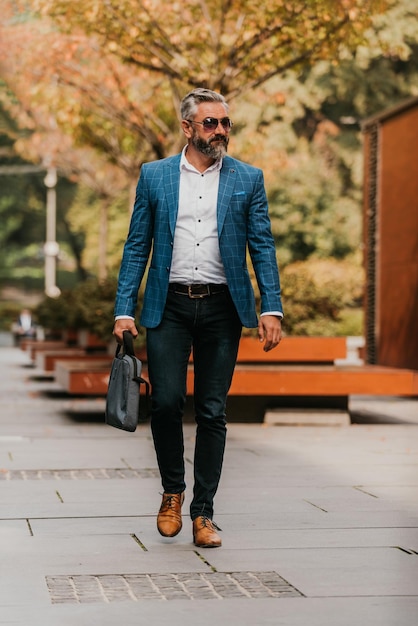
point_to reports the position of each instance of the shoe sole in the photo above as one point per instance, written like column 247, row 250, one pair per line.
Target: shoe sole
column 172, row 535
column 207, row 545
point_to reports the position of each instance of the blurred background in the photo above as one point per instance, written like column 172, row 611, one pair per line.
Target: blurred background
column 90, row 90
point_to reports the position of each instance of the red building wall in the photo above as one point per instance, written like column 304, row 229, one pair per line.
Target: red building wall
column 391, row 236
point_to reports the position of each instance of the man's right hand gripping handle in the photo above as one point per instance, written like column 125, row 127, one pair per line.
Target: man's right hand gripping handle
column 124, row 324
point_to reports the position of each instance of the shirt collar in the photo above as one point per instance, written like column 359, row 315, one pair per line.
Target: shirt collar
column 185, row 165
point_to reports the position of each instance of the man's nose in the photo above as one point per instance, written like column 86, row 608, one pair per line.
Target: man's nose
column 224, row 131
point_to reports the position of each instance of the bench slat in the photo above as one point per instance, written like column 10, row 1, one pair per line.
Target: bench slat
column 33, row 347
column 294, row 349
column 45, row 359
column 323, row 381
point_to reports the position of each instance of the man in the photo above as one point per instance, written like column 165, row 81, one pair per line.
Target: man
column 24, row 327
column 196, row 213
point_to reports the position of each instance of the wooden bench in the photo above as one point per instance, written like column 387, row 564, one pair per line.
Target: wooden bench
column 46, row 360
column 300, row 367
column 34, row 347
column 84, row 377
column 82, row 340
column 44, row 354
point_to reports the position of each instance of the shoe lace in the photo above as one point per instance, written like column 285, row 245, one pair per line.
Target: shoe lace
column 168, row 501
column 209, row 523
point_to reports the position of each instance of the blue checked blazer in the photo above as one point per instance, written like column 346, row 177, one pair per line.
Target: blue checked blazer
column 243, row 220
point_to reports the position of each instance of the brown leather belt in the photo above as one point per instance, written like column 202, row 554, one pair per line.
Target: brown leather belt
column 197, row 290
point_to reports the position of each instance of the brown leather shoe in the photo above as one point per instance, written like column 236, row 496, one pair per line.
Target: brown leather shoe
column 204, row 533
column 169, row 521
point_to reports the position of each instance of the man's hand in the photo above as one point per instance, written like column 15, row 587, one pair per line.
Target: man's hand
column 124, row 324
column 270, row 331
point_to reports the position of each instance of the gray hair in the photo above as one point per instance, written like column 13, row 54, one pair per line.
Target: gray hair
column 191, row 101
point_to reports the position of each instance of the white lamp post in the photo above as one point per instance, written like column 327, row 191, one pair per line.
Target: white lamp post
column 51, row 247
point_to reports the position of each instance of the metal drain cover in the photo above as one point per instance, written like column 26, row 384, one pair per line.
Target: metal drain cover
column 190, row 586
column 79, row 474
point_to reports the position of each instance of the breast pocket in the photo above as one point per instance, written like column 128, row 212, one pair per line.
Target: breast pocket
column 239, row 204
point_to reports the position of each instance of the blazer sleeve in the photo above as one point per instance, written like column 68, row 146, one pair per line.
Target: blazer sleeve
column 262, row 248
column 136, row 250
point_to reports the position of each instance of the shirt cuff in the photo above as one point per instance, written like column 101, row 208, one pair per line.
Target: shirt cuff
column 276, row 313
column 124, row 317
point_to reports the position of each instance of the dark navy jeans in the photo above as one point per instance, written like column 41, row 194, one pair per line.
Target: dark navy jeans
column 211, row 328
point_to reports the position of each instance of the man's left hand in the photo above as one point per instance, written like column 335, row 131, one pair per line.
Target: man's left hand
column 270, row 331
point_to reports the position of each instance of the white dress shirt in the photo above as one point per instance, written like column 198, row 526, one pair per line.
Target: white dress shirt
column 196, row 255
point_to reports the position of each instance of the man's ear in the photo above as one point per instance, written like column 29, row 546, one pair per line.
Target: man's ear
column 187, row 128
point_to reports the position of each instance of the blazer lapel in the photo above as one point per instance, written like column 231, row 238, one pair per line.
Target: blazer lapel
column 171, row 189
column 227, row 179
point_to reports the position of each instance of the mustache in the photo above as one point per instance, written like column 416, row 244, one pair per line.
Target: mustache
column 219, row 138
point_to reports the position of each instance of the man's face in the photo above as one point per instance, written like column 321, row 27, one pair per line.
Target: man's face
column 211, row 143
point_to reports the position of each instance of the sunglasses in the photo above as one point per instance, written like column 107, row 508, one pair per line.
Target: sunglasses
column 211, row 123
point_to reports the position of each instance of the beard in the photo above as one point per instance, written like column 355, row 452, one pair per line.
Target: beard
column 214, row 148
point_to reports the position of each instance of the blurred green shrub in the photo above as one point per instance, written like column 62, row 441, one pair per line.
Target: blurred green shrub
column 318, row 296
column 9, row 312
column 321, row 297
column 88, row 306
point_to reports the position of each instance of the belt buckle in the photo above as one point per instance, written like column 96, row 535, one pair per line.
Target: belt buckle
column 199, row 295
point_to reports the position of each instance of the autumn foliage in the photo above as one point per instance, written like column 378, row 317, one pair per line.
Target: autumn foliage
column 110, row 75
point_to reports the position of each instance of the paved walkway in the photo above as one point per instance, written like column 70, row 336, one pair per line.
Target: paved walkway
column 320, row 524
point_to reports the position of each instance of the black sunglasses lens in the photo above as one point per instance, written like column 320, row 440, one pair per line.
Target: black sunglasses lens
column 211, row 123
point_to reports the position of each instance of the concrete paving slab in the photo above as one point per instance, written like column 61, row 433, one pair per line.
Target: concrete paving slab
column 320, row 538
column 67, row 453
column 372, row 409
column 326, row 499
column 306, row 417
column 331, row 572
column 404, row 496
column 76, row 526
column 288, row 438
column 100, row 554
column 20, row 589
column 11, row 530
column 14, row 493
column 250, row 537
column 88, row 509
column 286, row 612
column 315, row 518
column 82, row 490
column 326, row 476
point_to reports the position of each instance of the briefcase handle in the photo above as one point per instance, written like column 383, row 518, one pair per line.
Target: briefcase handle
column 128, row 343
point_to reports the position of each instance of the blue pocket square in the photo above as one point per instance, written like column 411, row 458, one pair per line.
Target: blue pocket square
column 239, row 193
